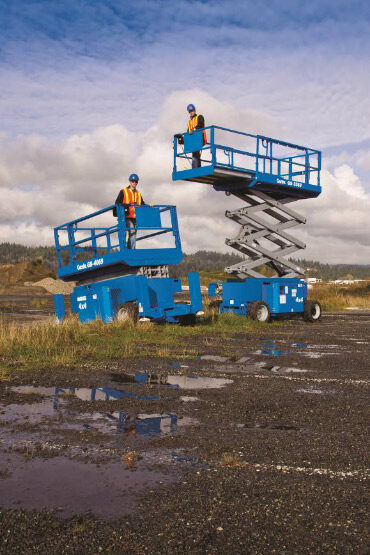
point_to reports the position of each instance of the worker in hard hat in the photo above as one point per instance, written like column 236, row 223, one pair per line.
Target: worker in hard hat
column 196, row 122
column 128, row 197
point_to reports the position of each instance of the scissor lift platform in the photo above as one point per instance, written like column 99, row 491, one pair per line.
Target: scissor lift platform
column 116, row 282
column 233, row 160
column 268, row 175
column 86, row 249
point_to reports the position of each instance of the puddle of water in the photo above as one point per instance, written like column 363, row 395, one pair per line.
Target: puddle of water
column 73, row 487
column 179, row 381
column 213, row 358
column 27, row 413
column 292, row 370
column 321, row 354
column 119, row 422
column 281, row 369
column 319, row 351
column 271, row 347
column 146, row 425
column 83, row 393
column 197, row 382
column 315, row 391
column 266, row 426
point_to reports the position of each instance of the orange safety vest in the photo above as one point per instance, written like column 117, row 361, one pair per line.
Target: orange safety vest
column 131, row 197
column 192, row 125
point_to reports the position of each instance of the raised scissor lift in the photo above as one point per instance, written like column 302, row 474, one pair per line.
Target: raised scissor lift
column 267, row 175
column 114, row 281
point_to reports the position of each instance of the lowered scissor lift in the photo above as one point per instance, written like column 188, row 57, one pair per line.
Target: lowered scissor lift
column 115, row 282
column 268, row 175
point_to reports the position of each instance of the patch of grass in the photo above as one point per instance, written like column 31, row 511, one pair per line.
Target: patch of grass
column 231, row 459
column 79, row 528
column 50, row 344
column 338, row 297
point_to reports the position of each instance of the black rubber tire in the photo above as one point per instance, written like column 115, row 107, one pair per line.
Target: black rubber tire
column 259, row 310
column 127, row 312
column 188, row 320
column 312, row 311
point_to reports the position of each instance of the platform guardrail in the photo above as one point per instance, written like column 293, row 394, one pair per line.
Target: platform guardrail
column 261, row 155
column 96, row 245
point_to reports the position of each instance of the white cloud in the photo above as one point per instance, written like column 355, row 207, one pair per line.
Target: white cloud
column 44, row 183
column 338, row 223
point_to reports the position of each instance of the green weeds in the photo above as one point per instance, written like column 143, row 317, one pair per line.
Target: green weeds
column 50, row 344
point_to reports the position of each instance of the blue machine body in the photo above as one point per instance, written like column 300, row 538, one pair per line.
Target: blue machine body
column 282, row 295
column 233, row 160
column 97, row 257
column 155, row 298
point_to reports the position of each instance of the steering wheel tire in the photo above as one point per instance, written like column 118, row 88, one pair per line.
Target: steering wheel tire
column 259, row 310
column 127, row 313
column 187, row 320
column 312, row 311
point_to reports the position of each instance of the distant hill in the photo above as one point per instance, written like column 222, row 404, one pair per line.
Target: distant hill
column 206, row 261
column 209, row 261
column 31, row 271
column 334, row 271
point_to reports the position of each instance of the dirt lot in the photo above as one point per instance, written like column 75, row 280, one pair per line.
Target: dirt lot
column 264, row 451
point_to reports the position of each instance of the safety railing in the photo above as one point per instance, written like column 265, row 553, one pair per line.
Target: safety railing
column 83, row 242
column 260, row 155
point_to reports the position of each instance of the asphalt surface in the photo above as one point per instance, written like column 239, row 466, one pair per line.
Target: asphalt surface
column 153, row 456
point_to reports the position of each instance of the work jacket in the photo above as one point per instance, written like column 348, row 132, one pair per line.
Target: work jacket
column 128, row 197
column 197, row 122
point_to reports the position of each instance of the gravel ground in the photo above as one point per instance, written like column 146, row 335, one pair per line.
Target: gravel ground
column 274, row 460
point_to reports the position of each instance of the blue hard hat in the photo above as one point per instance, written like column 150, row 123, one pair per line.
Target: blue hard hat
column 134, row 177
column 190, row 108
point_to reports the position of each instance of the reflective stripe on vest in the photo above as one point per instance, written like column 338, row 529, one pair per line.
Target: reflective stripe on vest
column 192, row 125
column 131, row 197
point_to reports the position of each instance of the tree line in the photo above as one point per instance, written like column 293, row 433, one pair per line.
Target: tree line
column 206, row 261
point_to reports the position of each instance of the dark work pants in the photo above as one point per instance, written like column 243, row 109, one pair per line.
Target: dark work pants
column 196, row 163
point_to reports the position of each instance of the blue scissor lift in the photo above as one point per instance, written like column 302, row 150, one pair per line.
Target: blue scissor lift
column 267, row 175
column 115, row 282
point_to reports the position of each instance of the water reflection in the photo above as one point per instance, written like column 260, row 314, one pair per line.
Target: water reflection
column 120, row 422
column 71, row 487
column 83, row 393
column 270, row 347
column 189, row 381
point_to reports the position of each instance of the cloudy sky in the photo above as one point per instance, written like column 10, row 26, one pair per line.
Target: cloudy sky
column 92, row 90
